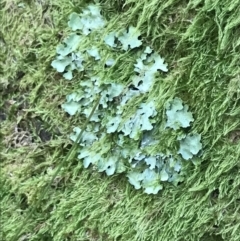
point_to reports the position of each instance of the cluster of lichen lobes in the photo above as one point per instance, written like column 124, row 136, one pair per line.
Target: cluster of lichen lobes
column 120, row 133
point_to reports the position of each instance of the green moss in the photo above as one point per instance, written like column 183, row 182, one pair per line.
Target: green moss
column 199, row 39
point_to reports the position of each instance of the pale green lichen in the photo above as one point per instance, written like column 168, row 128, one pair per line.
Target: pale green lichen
column 148, row 170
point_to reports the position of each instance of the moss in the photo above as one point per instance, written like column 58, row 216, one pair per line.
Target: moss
column 199, row 39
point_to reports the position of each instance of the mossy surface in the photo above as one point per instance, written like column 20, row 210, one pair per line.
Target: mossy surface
column 200, row 42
